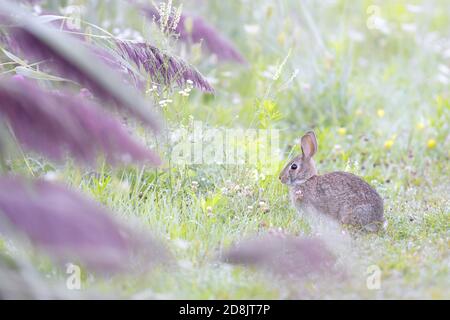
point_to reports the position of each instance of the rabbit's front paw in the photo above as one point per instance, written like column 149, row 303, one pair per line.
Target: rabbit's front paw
column 298, row 195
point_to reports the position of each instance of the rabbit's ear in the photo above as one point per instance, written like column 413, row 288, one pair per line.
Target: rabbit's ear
column 309, row 145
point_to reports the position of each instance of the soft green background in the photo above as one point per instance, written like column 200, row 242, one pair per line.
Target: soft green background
column 379, row 101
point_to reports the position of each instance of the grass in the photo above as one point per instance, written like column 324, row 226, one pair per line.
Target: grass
column 377, row 102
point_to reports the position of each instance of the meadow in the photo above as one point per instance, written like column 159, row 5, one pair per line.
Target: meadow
column 371, row 78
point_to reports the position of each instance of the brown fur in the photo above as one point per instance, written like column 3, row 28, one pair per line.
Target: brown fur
column 340, row 195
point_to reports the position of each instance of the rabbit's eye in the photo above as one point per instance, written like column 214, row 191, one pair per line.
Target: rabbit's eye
column 294, row 166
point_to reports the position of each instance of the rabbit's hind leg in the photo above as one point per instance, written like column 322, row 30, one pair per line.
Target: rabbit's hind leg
column 361, row 216
column 346, row 215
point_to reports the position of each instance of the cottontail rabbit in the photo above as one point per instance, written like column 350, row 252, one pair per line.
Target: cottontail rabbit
column 340, row 195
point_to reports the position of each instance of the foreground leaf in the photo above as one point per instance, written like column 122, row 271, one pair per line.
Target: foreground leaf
column 286, row 256
column 54, row 123
column 70, row 226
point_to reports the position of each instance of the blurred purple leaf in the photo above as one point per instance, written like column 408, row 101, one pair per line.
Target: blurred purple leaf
column 194, row 29
column 287, row 256
column 70, row 226
column 69, row 58
column 54, row 123
column 162, row 67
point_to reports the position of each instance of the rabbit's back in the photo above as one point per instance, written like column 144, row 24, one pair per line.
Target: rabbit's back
column 343, row 196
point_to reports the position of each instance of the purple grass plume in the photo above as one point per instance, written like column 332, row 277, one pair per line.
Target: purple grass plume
column 129, row 76
column 63, row 64
column 68, row 225
column 194, row 29
column 286, row 255
column 163, row 68
column 54, row 123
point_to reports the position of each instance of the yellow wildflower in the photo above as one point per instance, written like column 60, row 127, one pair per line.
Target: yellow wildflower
column 431, row 143
column 281, row 38
column 388, row 144
column 342, row 131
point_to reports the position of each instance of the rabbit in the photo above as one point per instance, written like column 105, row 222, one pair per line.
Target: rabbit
column 343, row 196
